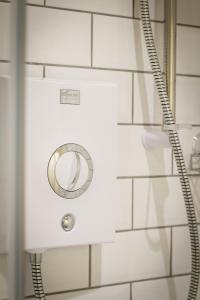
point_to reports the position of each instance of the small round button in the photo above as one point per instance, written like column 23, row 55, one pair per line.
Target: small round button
column 68, row 222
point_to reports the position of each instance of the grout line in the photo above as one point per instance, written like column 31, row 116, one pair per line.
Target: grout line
column 152, row 228
column 131, row 293
column 84, row 11
column 85, row 67
column 92, row 36
column 188, row 75
column 112, row 285
column 5, row 61
column 92, row 12
column 188, row 25
column 133, row 8
column 147, row 176
column 132, row 103
column 123, row 230
column 98, row 68
column 44, row 72
column 161, row 277
column 132, row 205
column 138, row 124
column 35, row 5
column 171, row 251
column 105, row 69
column 90, row 267
column 155, row 176
column 102, row 14
column 45, row 2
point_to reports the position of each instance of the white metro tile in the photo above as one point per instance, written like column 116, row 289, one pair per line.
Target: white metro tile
column 147, row 108
column 165, row 289
column 156, row 8
column 187, row 100
column 119, row 43
column 123, row 80
column 134, row 255
column 63, row 269
column 158, row 202
column 115, row 7
column 134, row 160
column 181, row 254
column 5, row 31
column 124, row 205
column 33, row 71
column 188, row 48
column 118, row 292
column 58, row 36
column 195, row 186
column 188, row 12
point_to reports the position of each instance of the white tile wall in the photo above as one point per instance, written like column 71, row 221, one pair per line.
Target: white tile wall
column 63, row 269
column 134, row 255
column 61, row 36
column 147, row 108
column 134, row 160
column 119, row 43
column 188, row 48
column 156, row 8
column 124, row 205
column 122, row 79
column 188, row 14
column 58, row 36
column 158, row 202
column 181, row 251
column 115, row 7
column 187, row 100
column 165, row 289
column 107, row 293
column 4, row 31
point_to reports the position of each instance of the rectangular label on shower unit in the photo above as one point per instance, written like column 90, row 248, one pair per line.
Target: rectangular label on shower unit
column 68, row 96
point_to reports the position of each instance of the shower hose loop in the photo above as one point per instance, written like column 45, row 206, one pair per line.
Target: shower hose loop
column 176, row 147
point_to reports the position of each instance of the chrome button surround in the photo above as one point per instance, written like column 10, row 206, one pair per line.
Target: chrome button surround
column 51, row 171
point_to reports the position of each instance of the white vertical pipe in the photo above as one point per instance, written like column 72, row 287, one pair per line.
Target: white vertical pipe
column 16, row 216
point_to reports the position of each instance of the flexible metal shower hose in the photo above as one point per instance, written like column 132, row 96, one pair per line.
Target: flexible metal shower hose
column 37, row 277
column 176, row 147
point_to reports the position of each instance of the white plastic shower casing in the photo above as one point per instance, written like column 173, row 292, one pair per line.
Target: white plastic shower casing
column 49, row 125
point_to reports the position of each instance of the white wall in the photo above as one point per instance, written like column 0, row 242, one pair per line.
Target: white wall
column 103, row 40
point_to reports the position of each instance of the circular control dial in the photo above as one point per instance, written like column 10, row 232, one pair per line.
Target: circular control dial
column 70, row 171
